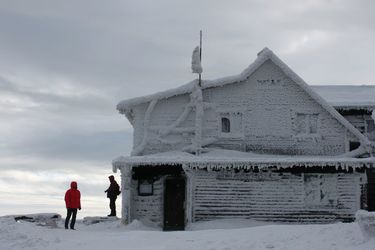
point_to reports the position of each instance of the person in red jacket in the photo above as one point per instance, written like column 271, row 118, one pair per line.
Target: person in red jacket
column 73, row 202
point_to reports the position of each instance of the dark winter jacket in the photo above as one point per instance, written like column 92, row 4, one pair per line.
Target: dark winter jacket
column 113, row 189
column 73, row 196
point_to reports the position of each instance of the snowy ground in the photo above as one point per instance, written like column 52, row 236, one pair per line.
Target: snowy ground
column 229, row 234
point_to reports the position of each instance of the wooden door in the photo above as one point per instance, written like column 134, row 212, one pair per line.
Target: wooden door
column 371, row 189
column 174, row 200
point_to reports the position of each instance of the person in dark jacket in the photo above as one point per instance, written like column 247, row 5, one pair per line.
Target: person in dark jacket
column 72, row 202
column 112, row 192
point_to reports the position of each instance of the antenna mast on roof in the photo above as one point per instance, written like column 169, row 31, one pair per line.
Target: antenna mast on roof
column 196, row 64
column 200, row 57
column 197, row 97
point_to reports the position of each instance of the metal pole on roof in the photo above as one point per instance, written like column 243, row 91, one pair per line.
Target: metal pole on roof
column 200, row 57
column 199, row 105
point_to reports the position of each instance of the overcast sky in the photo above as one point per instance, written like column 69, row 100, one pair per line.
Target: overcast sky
column 64, row 65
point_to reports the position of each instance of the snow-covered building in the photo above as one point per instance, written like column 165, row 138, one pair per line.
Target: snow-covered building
column 262, row 145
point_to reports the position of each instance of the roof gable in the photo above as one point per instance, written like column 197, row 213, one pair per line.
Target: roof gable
column 264, row 55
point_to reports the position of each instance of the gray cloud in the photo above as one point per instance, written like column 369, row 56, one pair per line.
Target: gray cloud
column 64, row 65
column 98, row 146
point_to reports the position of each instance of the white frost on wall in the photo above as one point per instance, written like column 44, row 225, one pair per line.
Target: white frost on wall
column 147, row 118
column 263, row 56
column 172, row 127
column 197, row 99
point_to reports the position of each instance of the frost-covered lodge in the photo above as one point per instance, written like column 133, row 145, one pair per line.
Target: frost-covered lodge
column 262, row 145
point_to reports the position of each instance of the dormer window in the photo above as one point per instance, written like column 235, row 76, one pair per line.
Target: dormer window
column 225, row 125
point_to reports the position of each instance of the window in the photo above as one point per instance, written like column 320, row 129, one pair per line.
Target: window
column 370, row 125
column 320, row 190
column 354, row 145
column 145, row 187
column 307, row 124
column 225, row 125
column 230, row 124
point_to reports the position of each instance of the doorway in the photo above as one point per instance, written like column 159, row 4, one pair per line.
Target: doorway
column 371, row 189
column 174, row 201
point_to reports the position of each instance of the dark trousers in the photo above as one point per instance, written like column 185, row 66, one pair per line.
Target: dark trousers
column 70, row 212
column 112, row 205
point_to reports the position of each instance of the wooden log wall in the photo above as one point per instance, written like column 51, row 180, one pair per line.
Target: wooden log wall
column 268, row 196
column 148, row 208
column 275, row 196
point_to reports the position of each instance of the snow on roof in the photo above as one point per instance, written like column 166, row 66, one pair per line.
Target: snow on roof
column 219, row 158
column 336, row 95
column 263, row 56
column 360, row 96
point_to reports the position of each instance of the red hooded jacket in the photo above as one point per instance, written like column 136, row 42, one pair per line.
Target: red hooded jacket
column 73, row 196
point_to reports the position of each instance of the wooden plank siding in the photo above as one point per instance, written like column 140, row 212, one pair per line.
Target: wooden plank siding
column 271, row 196
column 268, row 196
column 148, row 207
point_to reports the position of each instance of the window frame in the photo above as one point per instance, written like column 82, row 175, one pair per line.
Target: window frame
column 150, row 182
column 231, row 116
column 225, row 125
column 307, row 120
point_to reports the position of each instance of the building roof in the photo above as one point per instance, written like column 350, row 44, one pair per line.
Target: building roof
column 360, row 96
column 264, row 55
column 348, row 96
column 220, row 158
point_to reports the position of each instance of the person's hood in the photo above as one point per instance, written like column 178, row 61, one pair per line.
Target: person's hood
column 111, row 178
column 73, row 184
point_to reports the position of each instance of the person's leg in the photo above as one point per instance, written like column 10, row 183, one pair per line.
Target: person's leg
column 74, row 212
column 112, row 206
column 68, row 214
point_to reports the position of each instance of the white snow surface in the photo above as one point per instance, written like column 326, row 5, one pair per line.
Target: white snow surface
column 214, row 235
column 366, row 222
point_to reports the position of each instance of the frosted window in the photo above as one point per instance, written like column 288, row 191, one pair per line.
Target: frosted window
column 301, row 124
column 313, row 123
column 145, row 187
column 225, row 125
column 320, row 190
column 230, row 124
column 371, row 129
column 307, row 123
